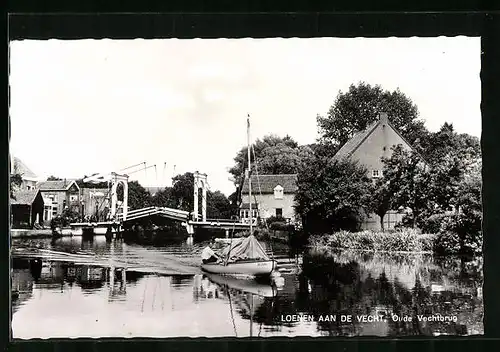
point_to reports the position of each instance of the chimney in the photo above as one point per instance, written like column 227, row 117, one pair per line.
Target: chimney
column 382, row 117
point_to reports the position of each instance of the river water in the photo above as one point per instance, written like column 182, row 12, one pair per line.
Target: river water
column 99, row 288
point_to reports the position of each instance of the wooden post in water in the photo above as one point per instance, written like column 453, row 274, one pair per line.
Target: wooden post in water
column 124, row 279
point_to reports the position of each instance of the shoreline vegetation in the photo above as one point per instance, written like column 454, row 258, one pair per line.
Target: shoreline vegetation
column 396, row 241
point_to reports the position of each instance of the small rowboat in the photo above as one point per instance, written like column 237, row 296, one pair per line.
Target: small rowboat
column 250, row 267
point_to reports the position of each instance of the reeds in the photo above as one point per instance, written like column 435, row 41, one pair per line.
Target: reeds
column 406, row 240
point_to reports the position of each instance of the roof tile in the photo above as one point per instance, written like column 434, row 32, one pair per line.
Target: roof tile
column 24, row 197
column 267, row 183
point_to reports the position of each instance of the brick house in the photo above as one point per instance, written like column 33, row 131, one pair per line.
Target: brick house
column 61, row 194
column 272, row 195
column 368, row 147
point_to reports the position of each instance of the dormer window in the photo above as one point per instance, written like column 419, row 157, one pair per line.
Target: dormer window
column 376, row 173
column 278, row 192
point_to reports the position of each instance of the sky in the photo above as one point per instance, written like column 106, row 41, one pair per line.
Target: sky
column 86, row 106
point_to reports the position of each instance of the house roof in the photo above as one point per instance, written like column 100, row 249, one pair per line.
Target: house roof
column 60, row 185
column 267, row 183
column 358, row 138
column 24, row 197
column 22, row 169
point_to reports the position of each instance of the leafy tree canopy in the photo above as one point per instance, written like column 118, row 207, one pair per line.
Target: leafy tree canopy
column 332, row 197
column 270, row 155
column 54, row 178
column 354, row 110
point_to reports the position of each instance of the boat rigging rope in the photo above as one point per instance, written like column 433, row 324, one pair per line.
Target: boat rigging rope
column 231, row 309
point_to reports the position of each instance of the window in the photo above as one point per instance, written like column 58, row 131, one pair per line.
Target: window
column 376, row 173
column 279, row 212
column 278, row 192
column 73, row 198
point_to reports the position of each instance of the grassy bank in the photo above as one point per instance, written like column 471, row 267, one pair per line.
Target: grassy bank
column 400, row 241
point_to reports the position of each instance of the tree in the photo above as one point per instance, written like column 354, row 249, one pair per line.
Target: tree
column 409, row 178
column 334, row 196
column 381, row 198
column 54, row 178
column 218, row 206
column 16, row 181
column 357, row 108
column 163, row 198
column 183, row 191
column 445, row 143
column 138, row 196
column 450, row 155
column 271, row 154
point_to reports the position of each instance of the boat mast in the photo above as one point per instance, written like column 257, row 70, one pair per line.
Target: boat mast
column 249, row 174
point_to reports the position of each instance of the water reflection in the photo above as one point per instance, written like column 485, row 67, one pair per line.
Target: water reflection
column 67, row 299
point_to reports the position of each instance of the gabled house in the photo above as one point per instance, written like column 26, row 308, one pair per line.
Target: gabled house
column 29, row 178
column 367, row 148
column 272, row 195
column 27, row 208
column 61, row 194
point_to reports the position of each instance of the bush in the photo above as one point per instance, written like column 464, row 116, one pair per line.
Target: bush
column 460, row 234
column 447, row 242
column 433, row 223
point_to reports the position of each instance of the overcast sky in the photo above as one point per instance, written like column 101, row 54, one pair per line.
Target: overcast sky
column 85, row 106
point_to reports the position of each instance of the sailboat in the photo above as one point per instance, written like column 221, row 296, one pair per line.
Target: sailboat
column 244, row 256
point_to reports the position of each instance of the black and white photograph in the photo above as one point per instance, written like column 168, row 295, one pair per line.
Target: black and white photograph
column 275, row 187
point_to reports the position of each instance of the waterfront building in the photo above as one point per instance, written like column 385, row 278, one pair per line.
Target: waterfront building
column 27, row 208
column 272, row 195
column 61, row 194
column 368, row 147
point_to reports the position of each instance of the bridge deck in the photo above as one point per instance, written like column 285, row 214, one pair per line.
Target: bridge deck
column 183, row 216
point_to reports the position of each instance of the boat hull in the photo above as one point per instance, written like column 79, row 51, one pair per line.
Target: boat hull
column 252, row 268
column 249, row 286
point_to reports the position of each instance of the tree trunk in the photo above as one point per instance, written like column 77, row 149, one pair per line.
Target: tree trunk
column 382, row 222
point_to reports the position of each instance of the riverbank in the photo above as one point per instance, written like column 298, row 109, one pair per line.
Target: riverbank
column 394, row 241
column 35, row 233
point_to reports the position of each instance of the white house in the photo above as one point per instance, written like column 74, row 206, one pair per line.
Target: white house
column 272, row 195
